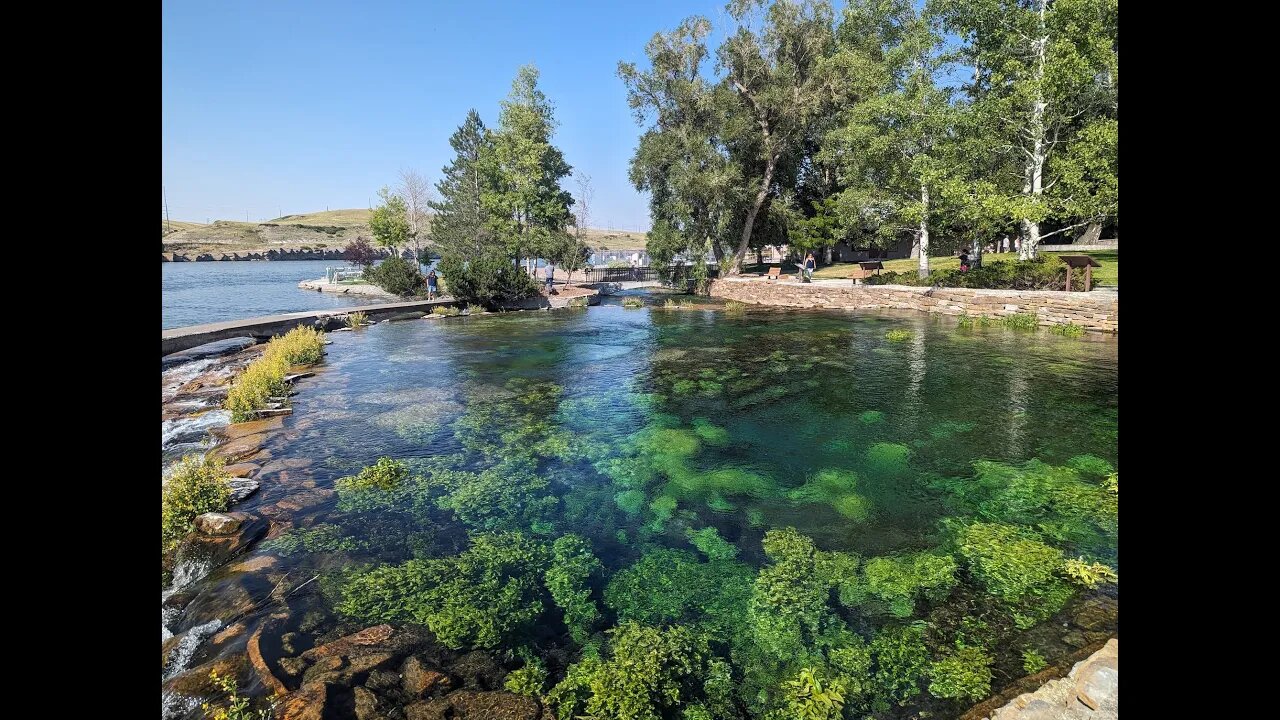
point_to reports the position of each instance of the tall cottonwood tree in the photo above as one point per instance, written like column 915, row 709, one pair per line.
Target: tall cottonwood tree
column 527, row 206
column 1040, row 67
column 415, row 191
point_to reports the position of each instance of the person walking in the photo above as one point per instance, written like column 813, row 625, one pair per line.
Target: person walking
column 433, row 285
column 809, row 264
column 551, row 273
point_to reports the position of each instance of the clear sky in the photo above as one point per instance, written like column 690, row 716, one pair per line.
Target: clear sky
column 273, row 108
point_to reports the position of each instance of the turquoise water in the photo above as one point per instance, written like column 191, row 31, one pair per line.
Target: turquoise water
column 643, row 426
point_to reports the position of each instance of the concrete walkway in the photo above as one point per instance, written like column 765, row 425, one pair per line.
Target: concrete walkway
column 183, row 338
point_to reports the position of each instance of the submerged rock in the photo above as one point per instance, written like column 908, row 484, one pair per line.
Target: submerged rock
column 252, row 427
column 241, row 489
column 212, row 523
column 421, row 680
column 469, row 705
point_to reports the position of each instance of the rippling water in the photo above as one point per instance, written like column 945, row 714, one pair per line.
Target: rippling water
column 765, row 419
column 202, row 292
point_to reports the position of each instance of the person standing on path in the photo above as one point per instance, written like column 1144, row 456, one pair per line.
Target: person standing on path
column 551, row 273
column 433, row 285
column 809, row 265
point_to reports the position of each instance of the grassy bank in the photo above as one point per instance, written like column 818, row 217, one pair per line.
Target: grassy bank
column 263, row 379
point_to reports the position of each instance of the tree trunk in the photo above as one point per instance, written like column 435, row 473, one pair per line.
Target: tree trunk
column 975, row 260
column 1034, row 185
column 922, row 236
column 761, row 196
column 1091, row 234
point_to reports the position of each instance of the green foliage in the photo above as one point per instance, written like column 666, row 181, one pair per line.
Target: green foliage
column 788, row 605
column 319, row 539
column 649, row 672
column 1021, row 321
column 901, row 661
column 1009, row 561
column 531, row 679
column 446, row 310
column 630, row 501
column 508, row 496
column 710, row 433
column 969, row 322
column 568, row 580
column 389, row 221
column 871, row 417
column 632, row 302
column 1046, row 272
column 1067, row 330
column 671, row 586
column 852, row 662
column 237, row 707
column 733, row 307
column 709, row 543
column 196, row 486
column 1033, row 662
column 397, row 276
column 385, row 474
column 888, row 459
column 489, row 281
column 898, row 580
column 836, row 488
column 964, row 675
column 356, row 319
column 264, row 377
column 812, row 697
column 479, row 598
column 898, row 335
column 1091, row 465
column 1087, row 574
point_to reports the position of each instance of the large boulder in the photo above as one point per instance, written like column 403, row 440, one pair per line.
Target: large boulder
column 213, row 523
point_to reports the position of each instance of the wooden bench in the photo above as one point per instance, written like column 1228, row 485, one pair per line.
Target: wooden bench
column 774, row 273
column 866, row 270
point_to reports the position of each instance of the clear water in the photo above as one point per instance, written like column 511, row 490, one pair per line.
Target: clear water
column 202, row 292
column 740, row 410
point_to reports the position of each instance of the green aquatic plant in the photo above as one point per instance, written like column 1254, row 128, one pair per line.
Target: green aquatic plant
column 963, row 675
column 1033, row 662
column 446, row 310
column 1017, row 568
column 733, row 307
column 871, row 417
column 1021, row 321
column 645, row 674
column 478, row 598
column 662, row 507
column 888, row 459
column 709, row 543
column 318, row 539
column 709, row 433
column 197, row 485
column 901, row 662
column 508, row 496
column 899, row 580
column 969, row 322
column 1112, row 483
column 1091, row 465
column 947, row 428
column 671, row 586
column 851, row 661
column 568, row 580
column 898, row 335
column 1087, row 574
column 788, row 607
column 811, row 696
column 630, row 501
column 836, row 488
column 385, row 474
column 632, row 302
column 1068, row 330
column 529, row 679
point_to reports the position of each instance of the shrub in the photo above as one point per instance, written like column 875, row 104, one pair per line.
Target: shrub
column 446, row 310
column 733, row 307
column 898, row 335
column 197, row 485
column 264, row 377
column 397, row 276
column 963, row 675
column 360, row 252
column 1033, row 662
column 632, row 302
column 357, row 319
column 300, row 346
column 486, row 281
column 1068, row 330
column 1047, row 272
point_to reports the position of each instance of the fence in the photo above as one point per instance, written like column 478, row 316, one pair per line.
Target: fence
column 673, row 274
column 333, row 275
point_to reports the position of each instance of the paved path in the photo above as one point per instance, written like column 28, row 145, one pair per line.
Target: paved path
column 183, row 338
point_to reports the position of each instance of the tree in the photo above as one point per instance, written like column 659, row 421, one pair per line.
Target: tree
column 360, row 252
column 888, row 149
column 569, row 252
column 777, row 73
column 416, row 193
column 527, row 205
column 460, row 224
column 1045, row 71
column 389, row 222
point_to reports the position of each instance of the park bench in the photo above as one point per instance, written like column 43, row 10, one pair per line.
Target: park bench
column 774, row 273
column 866, row 270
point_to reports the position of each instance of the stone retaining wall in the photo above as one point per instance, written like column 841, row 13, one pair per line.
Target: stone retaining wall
column 1096, row 311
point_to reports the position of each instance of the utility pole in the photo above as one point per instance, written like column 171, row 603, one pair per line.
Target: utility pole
column 166, row 208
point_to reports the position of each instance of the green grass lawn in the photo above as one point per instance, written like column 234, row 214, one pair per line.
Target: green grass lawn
column 1108, row 274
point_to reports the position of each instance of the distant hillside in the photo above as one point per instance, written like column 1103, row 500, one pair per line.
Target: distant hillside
column 318, row 230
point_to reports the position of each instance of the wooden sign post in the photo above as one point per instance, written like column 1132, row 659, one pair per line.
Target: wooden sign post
column 1077, row 261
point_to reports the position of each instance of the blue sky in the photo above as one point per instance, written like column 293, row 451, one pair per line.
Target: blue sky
column 291, row 107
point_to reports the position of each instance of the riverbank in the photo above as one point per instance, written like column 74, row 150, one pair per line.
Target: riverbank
column 1097, row 311
column 1091, row 691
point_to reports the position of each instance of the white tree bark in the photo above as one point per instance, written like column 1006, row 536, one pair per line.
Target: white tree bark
column 922, row 235
column 1034, row 185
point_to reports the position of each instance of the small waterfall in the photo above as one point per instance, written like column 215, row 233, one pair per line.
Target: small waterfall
column 173, row 705
column 186, row 648
column 173, row 378
column 191, row 427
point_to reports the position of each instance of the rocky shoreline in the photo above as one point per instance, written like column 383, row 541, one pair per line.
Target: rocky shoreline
column 278, row 254
column 364, row 289
column 1091, row 691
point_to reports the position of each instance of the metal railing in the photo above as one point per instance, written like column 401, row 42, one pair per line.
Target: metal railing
column 673, row 274
column 333, row 275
